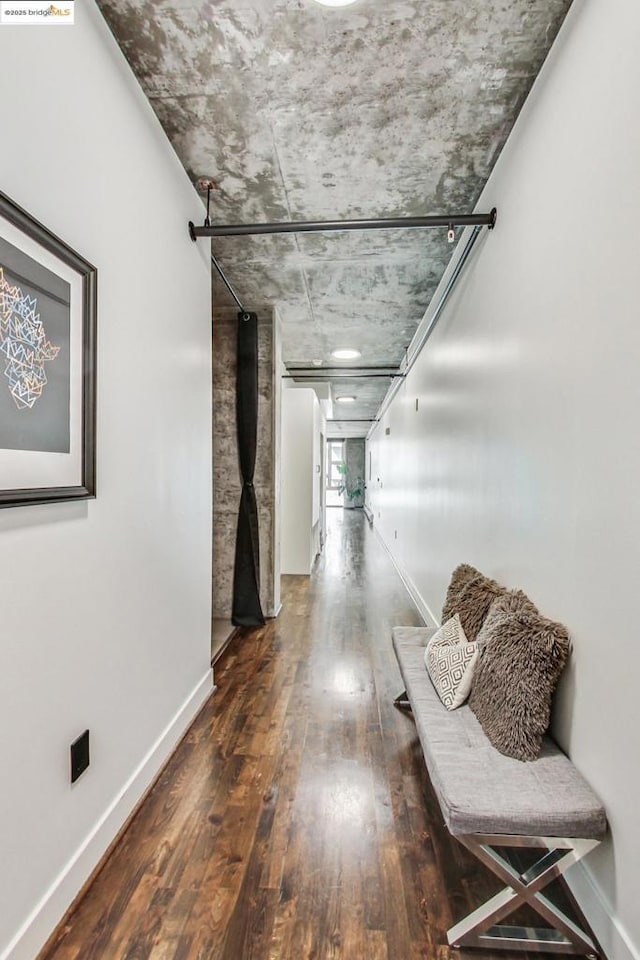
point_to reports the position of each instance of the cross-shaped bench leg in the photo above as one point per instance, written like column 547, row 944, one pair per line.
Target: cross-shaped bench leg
column 482, row 927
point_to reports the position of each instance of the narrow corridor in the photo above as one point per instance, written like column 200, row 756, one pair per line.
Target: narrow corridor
column 295, row 820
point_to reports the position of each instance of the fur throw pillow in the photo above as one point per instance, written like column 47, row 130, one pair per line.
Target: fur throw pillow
column 460, row 577
column 516, row 674
column 473, row 603
column 512, row 601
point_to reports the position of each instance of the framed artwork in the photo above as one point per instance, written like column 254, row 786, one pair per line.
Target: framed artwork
column 47, row 365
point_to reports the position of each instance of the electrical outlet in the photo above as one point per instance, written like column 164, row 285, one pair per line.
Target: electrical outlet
column 79, row 751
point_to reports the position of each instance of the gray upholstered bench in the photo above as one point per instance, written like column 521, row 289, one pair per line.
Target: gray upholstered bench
column 490, row 801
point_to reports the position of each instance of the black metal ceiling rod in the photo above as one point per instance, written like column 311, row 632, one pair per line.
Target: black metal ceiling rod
column 321, row 226
column 321, row 375
column 385, row 368
column 227, row 283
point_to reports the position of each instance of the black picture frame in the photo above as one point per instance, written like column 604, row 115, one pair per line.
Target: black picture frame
column 48, row 442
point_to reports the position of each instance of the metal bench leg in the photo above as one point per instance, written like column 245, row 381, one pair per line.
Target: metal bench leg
column 482, row 927
column 402, row 701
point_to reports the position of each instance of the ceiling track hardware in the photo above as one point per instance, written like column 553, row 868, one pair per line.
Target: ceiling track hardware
column 204, row 183
column 227, row 283
column 419, row 341
column 475, row 220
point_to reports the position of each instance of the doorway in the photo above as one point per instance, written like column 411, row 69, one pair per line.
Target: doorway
column 322, row 494
column 335, row 468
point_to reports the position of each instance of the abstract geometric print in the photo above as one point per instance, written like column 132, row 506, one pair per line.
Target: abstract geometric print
column 451, row 670
column 23, row 342
column 450, row 662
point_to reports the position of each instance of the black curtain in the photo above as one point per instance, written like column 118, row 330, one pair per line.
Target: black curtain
column 247, row 611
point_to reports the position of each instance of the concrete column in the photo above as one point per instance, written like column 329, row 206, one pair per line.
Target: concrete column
column 226, row 472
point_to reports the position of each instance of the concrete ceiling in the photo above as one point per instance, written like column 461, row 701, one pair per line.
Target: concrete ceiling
column 303, row 112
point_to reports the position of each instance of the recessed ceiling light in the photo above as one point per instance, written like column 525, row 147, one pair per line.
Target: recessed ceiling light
column 347, row 354
column 335, row 3
column 345, row 399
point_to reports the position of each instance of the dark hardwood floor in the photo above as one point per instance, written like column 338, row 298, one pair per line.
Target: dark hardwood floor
column 295, row 820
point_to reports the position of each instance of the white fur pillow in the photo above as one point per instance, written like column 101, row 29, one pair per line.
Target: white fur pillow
column 450, row 660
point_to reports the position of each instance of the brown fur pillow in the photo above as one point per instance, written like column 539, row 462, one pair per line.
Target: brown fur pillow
column 515, row 677
column 512, row 601
column 460, row 577
column 474, row 602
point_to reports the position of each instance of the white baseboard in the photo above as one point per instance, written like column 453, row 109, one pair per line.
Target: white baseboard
column 614, row 940
column 48, row 913
column 412, row 590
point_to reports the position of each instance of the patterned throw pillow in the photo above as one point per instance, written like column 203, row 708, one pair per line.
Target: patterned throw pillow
column 450, row 662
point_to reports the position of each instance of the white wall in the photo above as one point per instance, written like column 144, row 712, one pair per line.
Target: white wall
column 105, row 604
column 276, row 427
column 318, row 430
column 302, row 423
column 524, row 456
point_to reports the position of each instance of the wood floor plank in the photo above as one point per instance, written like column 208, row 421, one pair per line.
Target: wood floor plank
column 296, row 820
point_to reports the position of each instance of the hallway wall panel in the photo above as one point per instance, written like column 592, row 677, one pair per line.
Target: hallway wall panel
column 523, row 456
column 106, row 604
